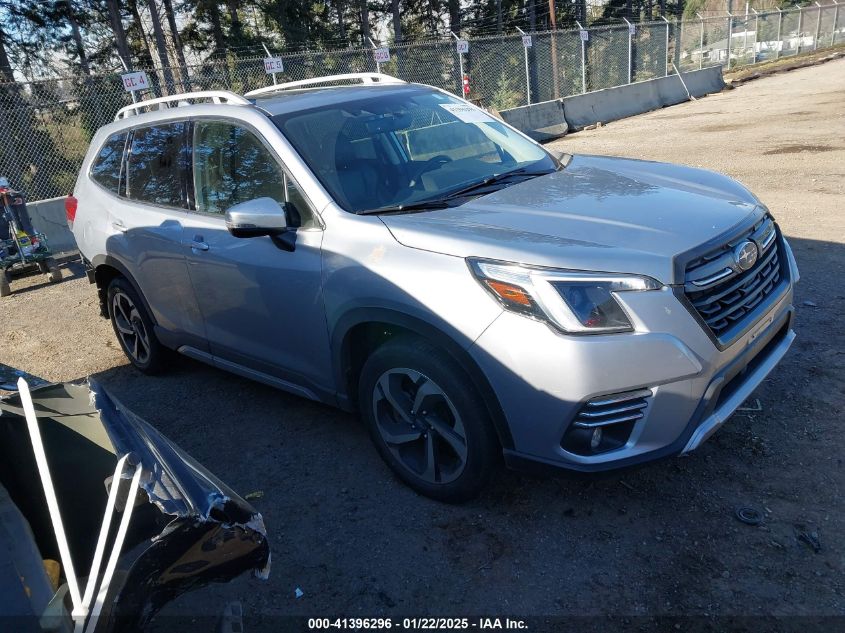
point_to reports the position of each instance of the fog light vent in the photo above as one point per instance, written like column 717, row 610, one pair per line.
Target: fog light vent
column 605, row 422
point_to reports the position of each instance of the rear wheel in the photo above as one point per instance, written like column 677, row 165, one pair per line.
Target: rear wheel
column 427, row 420
column 5, row 287
column 134, row 327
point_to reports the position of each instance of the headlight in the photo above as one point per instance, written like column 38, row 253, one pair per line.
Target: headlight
column 574, row 302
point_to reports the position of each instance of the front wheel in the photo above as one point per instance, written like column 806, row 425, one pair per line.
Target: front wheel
column 134, row 327
column 427, row 420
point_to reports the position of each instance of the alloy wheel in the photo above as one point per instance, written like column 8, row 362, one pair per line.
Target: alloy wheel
column 130, row 328
column 420, row 425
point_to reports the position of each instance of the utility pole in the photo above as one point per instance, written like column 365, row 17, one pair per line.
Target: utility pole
column 553, row 22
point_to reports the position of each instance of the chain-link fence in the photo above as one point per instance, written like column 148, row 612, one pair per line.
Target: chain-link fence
column 48, row 124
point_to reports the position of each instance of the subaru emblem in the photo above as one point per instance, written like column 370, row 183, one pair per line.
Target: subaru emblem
column 745, row 255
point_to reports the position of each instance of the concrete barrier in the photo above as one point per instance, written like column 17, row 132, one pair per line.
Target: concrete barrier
column 48, row 217
column 552, row 119
column 541, row 121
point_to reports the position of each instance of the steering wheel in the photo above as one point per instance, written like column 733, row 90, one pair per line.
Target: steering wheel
column 432, row 163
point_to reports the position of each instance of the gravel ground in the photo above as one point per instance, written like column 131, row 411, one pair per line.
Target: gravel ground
column 658, row 541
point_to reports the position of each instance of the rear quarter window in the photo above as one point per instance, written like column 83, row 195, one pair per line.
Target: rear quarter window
column 156, row 165
column 106, row 169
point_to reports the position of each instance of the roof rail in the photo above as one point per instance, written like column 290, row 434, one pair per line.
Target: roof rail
column 347, row 78
column 215, row 96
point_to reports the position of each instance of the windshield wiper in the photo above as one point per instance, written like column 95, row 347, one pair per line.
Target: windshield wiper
column 496, row 178
column 422, row 205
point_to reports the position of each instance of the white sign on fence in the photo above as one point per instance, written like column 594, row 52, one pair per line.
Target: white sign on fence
column 273, row 65
column 382, row 55
column 462, row 46
column 135, row 81
column 632, row 29
column 585, row 35
column 526, row 41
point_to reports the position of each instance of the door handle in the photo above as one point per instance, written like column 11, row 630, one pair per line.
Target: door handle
column 198, row 244
column 117, row 225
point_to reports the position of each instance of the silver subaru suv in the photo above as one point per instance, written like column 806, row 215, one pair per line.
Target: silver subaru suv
column 389, row 248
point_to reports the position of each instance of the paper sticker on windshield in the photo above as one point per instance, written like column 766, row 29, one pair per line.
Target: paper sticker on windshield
column 467, row 113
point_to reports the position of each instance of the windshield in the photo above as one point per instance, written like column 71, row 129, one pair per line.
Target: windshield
column 406, row 147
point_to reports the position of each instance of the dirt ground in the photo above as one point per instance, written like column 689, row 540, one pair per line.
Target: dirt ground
column 629, row 549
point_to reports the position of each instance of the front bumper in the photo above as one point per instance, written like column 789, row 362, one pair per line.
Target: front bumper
column 543, row 379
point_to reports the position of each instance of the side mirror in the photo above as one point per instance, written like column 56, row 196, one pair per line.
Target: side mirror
column 255, row 218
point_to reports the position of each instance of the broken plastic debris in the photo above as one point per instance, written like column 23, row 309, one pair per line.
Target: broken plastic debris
column 810, row 304
column 298, row 593
column 254, row 495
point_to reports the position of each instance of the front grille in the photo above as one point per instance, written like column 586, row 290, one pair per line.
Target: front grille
column 725, row 297
column 614, row 409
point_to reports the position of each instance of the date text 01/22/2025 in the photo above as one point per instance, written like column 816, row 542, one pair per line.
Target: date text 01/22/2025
column 417, row 624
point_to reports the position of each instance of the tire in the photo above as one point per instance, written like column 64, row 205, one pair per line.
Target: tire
column 5, row 286
column 451, row 423
column 54, row 273
column 133, row 327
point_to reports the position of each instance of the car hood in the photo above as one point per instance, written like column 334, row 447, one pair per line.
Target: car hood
column 599, row 213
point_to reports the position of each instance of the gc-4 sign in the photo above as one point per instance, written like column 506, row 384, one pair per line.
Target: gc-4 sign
column 135, row 81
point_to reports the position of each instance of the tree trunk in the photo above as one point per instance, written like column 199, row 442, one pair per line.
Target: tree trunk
column 160, row 45
column 177, row 44
column 133, row 7
column 340, row 23
column 499, row 17
column 397, row 21
column 455, row 16
column 237, row 29
column 216, row 28
column 5, row 66
column 119, row 33
column 365, row 23
column 77, row 39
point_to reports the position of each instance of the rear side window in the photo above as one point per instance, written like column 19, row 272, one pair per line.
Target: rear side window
column 156, row 165
column 106, row 168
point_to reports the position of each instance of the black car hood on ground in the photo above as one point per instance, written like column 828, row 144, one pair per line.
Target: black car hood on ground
column 187, row 527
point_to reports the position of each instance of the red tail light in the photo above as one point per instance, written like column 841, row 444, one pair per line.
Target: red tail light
column 70, row 210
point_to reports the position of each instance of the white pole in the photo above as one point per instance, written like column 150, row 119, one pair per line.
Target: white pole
column 745, row 33
column 583, row 60
column 835, row 20
column 266, row 50
column 630, row 61
column 780, row 44
column 800, row 24
column 527, row 74
column 667, row 44
column 756, row 34
column 50, row 494
column 460, row 65
column 378, row 65
column 818, row 26
column 730, row 37
column 701, row 43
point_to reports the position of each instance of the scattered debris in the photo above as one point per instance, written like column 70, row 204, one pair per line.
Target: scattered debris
column 298, row 593
column 749, row 516
column 757, row 407
column 810, row 304
column 258, row 494
column 809, row 536
column 627, row 485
